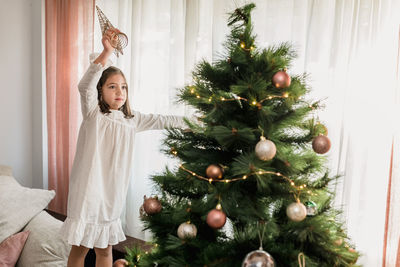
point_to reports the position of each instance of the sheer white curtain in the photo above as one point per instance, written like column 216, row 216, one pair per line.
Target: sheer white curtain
column 349, row 48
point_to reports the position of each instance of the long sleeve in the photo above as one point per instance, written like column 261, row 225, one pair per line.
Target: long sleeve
column 157, row 122
column 87, row 85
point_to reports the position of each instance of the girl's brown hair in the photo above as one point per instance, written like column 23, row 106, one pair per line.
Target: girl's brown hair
column 104, row 107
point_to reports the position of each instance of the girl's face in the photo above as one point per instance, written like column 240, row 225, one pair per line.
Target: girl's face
column 114, row 91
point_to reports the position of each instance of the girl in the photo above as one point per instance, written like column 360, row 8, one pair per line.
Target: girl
column 102, row 165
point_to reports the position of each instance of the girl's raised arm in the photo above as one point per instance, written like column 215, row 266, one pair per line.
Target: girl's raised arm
column 107, row 39
column 87, row 85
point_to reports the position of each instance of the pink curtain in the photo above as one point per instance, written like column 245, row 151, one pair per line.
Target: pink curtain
column 391, row 246
column 69, row 40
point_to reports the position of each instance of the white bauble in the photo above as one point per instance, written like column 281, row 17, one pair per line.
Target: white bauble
column 187, row 230
column 296, row 211
column 265, row 149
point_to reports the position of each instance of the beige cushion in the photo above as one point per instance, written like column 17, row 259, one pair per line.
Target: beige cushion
column 19, row 205
column 44, row 247
column 5, row 170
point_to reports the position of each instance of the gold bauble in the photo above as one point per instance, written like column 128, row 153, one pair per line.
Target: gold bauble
column 321, row 144
column 152, row 205
column 214, row 171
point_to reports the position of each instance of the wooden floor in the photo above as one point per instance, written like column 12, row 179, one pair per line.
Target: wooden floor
column 118, row 250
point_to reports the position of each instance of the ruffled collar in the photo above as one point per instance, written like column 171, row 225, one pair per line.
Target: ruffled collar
column 116, row 113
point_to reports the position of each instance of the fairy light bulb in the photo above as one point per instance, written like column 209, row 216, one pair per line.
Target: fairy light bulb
column 286, row 95
column 242, row 45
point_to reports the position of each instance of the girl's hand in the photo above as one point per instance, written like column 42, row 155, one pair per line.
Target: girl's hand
column 110, row 40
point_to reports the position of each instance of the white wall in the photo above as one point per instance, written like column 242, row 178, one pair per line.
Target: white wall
column 21, row 124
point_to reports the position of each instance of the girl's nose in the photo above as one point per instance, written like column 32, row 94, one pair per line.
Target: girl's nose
column 119, row 91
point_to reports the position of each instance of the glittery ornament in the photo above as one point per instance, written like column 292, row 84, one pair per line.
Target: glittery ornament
column 214, row 171
column 281, row 79
column 258, row 258
column 311, row 208
column 152, row 205
column 216, row 218
column 120, row 41
column 296, row 211
column 187, row 230
column 142, row 212
column 265, row 149
column 321, row 144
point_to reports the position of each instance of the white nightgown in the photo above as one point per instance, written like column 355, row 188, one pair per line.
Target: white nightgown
column 103, row 166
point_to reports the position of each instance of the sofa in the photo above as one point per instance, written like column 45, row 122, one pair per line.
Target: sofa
column 28, row 234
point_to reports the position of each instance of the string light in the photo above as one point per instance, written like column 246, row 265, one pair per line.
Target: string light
column 253, row 102
column 243, row 46
column 173, row 151
column 244, row 177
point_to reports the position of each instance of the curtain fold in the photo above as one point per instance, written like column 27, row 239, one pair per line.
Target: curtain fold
column 69, row 38
column 391, row 245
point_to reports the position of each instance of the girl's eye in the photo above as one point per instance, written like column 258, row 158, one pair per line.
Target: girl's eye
column 124, row 87
column 111, row 86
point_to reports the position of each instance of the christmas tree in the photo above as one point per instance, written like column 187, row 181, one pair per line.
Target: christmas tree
column 252, row 187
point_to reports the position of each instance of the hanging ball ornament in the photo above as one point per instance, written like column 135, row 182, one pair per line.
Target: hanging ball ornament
column 214, row 171
column 265, row 149
column 281, row 79
column 321, row 144
column 296, row 211
column 187, row 230
column 216, row 218
column 120, row 263
column 339, row 241
column 320, row 128
column 152, row 205
column 258, row 258
column 311, row 208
